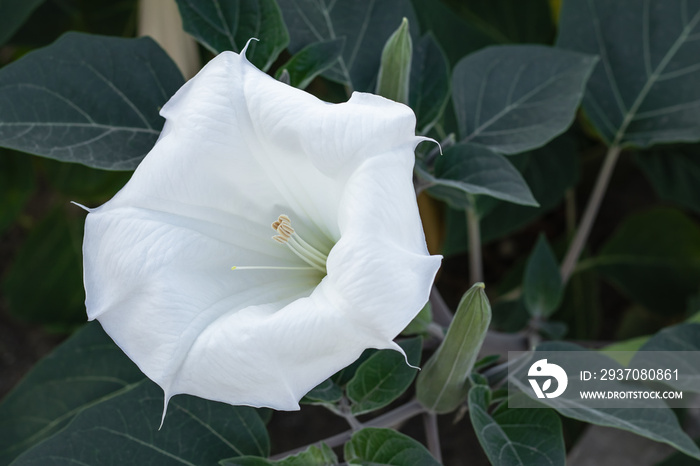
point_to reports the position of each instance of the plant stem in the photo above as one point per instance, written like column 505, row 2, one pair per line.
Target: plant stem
column 390, row 419
column 432, row 436
column 589, row 215
column 476, row 270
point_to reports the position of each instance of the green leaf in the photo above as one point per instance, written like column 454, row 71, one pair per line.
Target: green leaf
column 518, row 97
column 548, row 172
column 13, row 14
column 674, row 171
column 430, row 83
column 509, row 20
column 510, row 316
column 645, row 91
column 311, row 61
column 681, row 337
column 378, row 447
column 84, row 371
column 654, row 258
column 327, row 392
column 516, row 437
column 384, row 377
column 443, row 383
column 446, row 25
column 53, row 249
column 393, row 79
column 469, row 169
column 366, row 26
column 16, row 185
column 229, row 25
column 542, row 285
column 124, row 430
column 343, row 376
column 658, row 423
column 75, row 101
column 670, row 345
column 313, row 456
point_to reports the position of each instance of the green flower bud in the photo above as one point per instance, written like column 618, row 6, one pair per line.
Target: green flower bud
column 443, row 383
column 395, row 69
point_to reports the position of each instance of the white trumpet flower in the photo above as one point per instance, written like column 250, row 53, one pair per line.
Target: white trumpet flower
column 180, row 266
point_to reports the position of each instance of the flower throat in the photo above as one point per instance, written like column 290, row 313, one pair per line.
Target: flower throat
column 286, row 235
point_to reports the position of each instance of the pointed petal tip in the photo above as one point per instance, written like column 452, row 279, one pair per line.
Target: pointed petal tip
column 245, row 49
column 420, row 139
column 166, row 400
column 394, row 346
column 86, row 209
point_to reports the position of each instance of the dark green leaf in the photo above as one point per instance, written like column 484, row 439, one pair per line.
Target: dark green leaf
column 378, row 447
column 645, row 89
column 52, row 249
column 516, row 437
column 222, row 25
column 653, row 257
column 430, row 83
column 542, row 285
column 124, row 430
column 657, row 423
column 16, row 184
column 384, row 377
column 518, row 97
column 75, row 101
column 343, row 376
column 246, row 461
column 365, row 26
column 83, row 184
column 509, row 20
column 674, row 171
column 486, row 361
column 13, row 13
column 313, row 456
column 311, row 61
column 447, row 26
column 84, row 371
column 469, row 169
column 325, row 392
column 510, row 316
column 548, row 171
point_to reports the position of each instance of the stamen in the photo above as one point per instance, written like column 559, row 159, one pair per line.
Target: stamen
column 289, row 237
column 303, row 250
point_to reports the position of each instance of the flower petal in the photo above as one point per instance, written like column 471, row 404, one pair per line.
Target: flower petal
column 237, row 150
